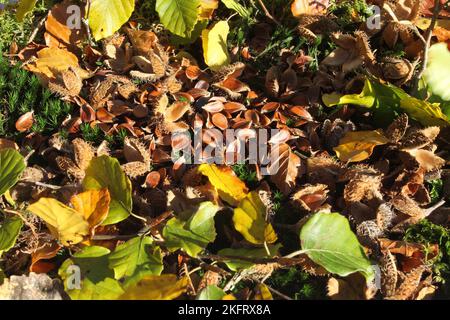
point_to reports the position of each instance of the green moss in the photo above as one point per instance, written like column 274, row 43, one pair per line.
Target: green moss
column 298, row 284
column 350, row 13
column 435, row 188
column 21, row 92
column 428, row 233
column 244, row 173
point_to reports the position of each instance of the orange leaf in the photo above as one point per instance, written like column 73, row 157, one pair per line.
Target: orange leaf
column 93, row 205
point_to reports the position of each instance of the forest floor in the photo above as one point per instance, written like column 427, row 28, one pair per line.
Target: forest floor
column 121, row 130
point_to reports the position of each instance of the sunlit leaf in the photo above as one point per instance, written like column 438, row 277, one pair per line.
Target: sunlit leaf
column 106, row 16
column 52, row 61
column 211, row 292
column 437, row 73
column 105, row 172
column 136, row 258
column 25, row 6
column 357, row 146
column 65, row 224
column 387, row 101
column 93, row 205
column 90, row 265
column 178, row 16
column 194, row 234
column 236, row 6
column 12, row 165
column 250, row 220
column 163, row 287
column 215, row 49
column 9, row 231
column 328, row 241
column 230, row 188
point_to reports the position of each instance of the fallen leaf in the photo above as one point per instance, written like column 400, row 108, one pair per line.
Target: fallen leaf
column 52, row 61
column 105, row 172
column 357, row 146
column 66, row 224
column 328, row 240
column 93, row 205
column 215, row 49
column 106, row 17
column 163, row 287
column 230, row 188
column 250, row 220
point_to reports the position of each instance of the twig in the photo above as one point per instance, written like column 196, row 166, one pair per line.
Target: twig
column 36, row 30
column 46, row 185
column 86, row 23
column 429, row 210
column 266, row 12
column 278, row 293
column 428, row 35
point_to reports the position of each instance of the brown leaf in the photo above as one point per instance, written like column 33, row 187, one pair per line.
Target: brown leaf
column 58, row 34
column 284, row 167
column 25, row 122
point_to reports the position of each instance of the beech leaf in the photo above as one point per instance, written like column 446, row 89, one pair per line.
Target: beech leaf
column 178, row 16
column 328, row 240
column 215, row 49
column 163, row 287
column 97, row 282
column 65, row 224
column 358, row 145
column 105, row 172
column 250, row 220
column 106, row 16
column 230, row 188
column 194, row 234
column 134, row 259
column 12, row 165
column 9, row 231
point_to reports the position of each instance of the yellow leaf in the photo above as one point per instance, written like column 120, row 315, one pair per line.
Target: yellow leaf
column 65, row 224
column 207, row 8
column 215, row 45
column 358, row 145
column 106, row 16
column 163, row 287
column 25, row 6
column 250, row 220
column 263, row 293
column 51, row 61
column 229, row 187
column 93, row 205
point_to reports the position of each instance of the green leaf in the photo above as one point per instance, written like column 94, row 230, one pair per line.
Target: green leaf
column 25, row 6
column 437, row 73
column 98, row 281
column 178, row 16
column 106, row 16
column 194, row 234
column 328, row 240
column 388, row 101
column 9, row 231
column 236, row 264
column 134, row 259
column 211, row 292
column 234, row 5
column 12, row 165
column 105, row 172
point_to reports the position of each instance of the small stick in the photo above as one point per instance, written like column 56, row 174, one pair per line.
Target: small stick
column 266, row 12
column 428, row 35
column 36, row 30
